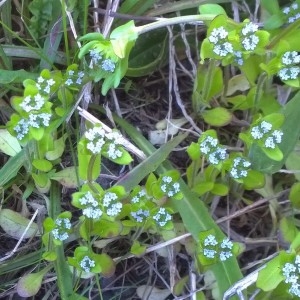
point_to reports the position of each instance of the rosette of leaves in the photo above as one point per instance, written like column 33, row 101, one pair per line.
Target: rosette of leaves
column 108, row 57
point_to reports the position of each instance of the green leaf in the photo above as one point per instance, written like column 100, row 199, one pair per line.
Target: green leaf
column 220, row 189
column 106, row 228
column 270, row 276
column 194, row 151
column 254, row 180
column 58, row 149
column 203, row 187
column 30, row 284
column 14, row 224
column 291, row 132
column 212, row 9
column 67, row 177
column 218, row 116
column 237, row 83
column 107, row 264
column 8, row 143
column 293, row 161
column 42, row 165
column 288, row 229
column 274, row 154
column 137, row 249
column 294, row 195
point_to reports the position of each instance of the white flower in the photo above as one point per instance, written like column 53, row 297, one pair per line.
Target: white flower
column 162, row 217
column 86, row 264
column 224, row 255
column 210, row 240
column 223, row 49
column 249, row 28
column 39, row 120
column 256, row 133
column 59, row 232
column 22, row 128
column 71, row 72
column 289, row 73
column 140, row 215
column 35, row 103
column 218, row 34
column 92, row 213
column 250, row 42
column 108, row 65
column 209, row 253
column 277, row 134
column 113, row 152
column 239, row 169
column 113, row 208
column 80, row 74
column 290, row 57
column 291, row 276
column 266, row 126
column 95, row 56
column 217, row 156
column 40, row 79
column 69, row 81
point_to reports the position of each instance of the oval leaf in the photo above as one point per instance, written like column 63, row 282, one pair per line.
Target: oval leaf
column 30, row 284
column 218, row 116
column 8, row 143
column 14, row 224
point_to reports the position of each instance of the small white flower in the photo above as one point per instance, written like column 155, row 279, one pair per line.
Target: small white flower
column 86, row 264
column 35, row 103
column 277, row 134
column 78, row 81
column 59, row 232
column 47, row 89
column 250, row 42
column 22, row 129
column 224, row 255
column 290, row 57
column 40, row 79
column 249, row 28
column 39, row 120
column 266, row 126
column 294, row 6
column 140, row 215
column 218, row 34
column 209, row 253
column 223, row 49
column 95, row 56
column 69, row 81
column 269, row 143
column 71, row 72
column 210, row 240
column 113, row 152
column 256, row 133
column 50, row 82
column 162, row 217
column 226, row 243
column 108, row 65
column 80, row 74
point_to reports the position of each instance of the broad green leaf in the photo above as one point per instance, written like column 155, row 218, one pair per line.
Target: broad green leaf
column 30, row 284
column 42, row 165
column 8, row 143
column 293, row 161
column 254, row 180
column 288, row 229
column 291, row 131
column 67, row 177
column 237, row 83
column 107, row 264
column 218, row 116
column 220, row 189
column 14, row 224
column 270, row 276
column 137, row 249
column 203, row 187
column 58, row 149
column 149, row 53
column 212, row 9
column 274, row 154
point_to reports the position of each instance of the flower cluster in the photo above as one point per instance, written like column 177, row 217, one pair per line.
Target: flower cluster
column 218, row 37
column 238, row 57
column 105, row 64
column 34, row 120
column 291, row 274
column 74, row 78
column 141, row 195
column 91, row 206
column 290, row 70
column 249, row 39
column 44, row 85
column 98, row 138
column 169, row 187
column 62, row 228
column 212, row 150
column 162, row 217
column 212, row 248
column 239, row 168
column 86, row 264
column 264, row 132
column 140, row 215
column 292, row 12
column 112, row 205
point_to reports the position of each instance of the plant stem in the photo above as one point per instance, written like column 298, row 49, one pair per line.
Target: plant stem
column 174, row 21
column 208, row 80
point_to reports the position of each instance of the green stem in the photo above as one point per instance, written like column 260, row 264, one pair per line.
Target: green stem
column 173, row 21
column 90, row 173
column 64, row 20
column 208, row 80
column 64, row 276
column 259, row 91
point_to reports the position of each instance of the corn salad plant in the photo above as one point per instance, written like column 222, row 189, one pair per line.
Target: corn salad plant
column 248, row 136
